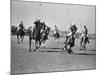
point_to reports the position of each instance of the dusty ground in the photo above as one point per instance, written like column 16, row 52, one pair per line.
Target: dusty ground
column 50, row 58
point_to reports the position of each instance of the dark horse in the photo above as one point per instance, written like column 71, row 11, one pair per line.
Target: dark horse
column 70, row 40
column 20, row 35
column 56, row 35
column 35, row 35
column 69, row 44
column 38, row 36
column 83, row 42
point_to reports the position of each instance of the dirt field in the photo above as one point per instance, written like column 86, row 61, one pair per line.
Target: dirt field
column 50, row 58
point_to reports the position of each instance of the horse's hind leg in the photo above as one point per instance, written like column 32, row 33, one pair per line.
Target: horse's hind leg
column 30, row 44
column 81, row 43
column 36, row 45
column 84, row 44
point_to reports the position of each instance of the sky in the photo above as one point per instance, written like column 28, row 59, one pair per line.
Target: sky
column 61, row 15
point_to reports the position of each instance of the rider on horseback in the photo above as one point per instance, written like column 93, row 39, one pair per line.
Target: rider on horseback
column 84, row 34
column 21, row 27
column 36, row 27
column 55, row 29
column 20, row 32
column 70, row 39
column 36, row 35
column 56, row 33
column 37, row 22
column 72, row 31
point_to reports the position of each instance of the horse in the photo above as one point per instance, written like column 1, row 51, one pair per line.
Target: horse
column 84, row 40
column 70, row 40
column 36, row 36
column 56, row 35
column 20, row 35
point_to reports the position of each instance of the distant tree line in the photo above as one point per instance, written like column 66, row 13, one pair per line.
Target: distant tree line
column 13, row 30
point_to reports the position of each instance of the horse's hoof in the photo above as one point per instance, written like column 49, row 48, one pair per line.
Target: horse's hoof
column 71, row 52
column 35, row 50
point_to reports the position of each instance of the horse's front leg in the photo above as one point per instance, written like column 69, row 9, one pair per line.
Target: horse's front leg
column 65, row 47
column 40, row 43
column 18, row 39
column 84, row 46
column 22, row 38
column 43, row 45
column 36, row 45
column 69, row 50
